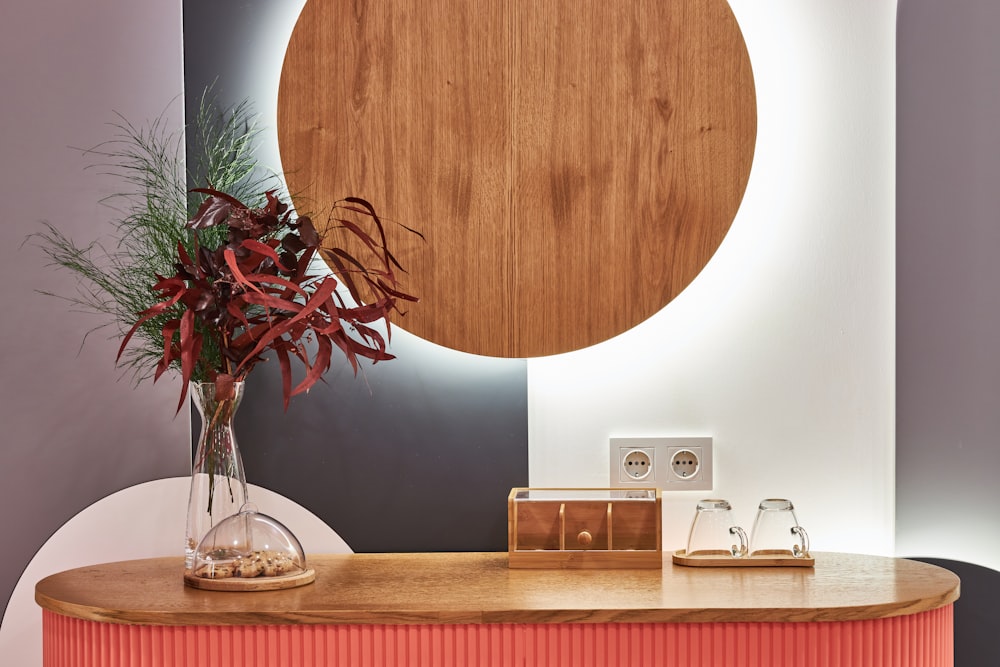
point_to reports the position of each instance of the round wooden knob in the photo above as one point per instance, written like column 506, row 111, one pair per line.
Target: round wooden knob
column 584, row 537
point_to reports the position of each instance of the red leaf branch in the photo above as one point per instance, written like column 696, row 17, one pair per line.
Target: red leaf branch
column 253, row 294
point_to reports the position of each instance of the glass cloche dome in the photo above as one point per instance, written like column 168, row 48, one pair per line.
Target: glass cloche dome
column 246, row 551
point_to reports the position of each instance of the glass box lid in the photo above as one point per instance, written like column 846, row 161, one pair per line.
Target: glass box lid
column 527, row 495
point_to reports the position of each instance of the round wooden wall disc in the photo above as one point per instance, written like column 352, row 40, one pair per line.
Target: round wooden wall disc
column 573, row 164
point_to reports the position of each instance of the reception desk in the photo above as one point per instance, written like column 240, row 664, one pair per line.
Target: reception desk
column 471, row 609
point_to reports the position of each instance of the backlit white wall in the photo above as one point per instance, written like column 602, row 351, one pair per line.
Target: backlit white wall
column 782, row 349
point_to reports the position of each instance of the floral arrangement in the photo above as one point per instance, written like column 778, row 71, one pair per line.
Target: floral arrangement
column 255, row 292
column 208, row 281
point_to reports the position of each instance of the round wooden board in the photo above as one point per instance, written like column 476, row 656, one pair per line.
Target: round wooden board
column 255, row 584
column 573, row 164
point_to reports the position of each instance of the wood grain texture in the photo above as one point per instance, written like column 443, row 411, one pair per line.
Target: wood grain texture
column 573, row 163
column 480, row 588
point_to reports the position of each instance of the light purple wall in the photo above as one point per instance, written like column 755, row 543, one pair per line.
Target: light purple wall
column 72, row 432
column 948, row 275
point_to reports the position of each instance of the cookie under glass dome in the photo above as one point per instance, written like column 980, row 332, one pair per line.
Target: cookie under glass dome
column 249, row 551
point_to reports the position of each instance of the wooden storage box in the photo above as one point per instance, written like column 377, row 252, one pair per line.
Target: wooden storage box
column 584, row 528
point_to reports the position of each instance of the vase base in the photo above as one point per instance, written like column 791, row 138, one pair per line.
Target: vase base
column 255, row 584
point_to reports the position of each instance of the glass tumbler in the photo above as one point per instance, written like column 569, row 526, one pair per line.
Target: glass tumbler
column 713, row 531
column 776, row 531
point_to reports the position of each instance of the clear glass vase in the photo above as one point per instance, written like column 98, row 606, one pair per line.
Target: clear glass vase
column 218, row 484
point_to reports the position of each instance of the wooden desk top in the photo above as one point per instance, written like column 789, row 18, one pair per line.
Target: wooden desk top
column 432, row 588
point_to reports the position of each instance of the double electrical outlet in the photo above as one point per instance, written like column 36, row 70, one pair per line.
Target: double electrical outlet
column 671, row 464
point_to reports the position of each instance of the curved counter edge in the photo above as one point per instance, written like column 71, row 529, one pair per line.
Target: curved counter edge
column 478, row 588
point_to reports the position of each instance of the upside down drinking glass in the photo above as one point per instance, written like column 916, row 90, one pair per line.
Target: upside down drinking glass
column 713, row 531
column 776, row 531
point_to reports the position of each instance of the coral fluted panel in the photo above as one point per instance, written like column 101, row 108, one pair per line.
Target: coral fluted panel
column 920, row 640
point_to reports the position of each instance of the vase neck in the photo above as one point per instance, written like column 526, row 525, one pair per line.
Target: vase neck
column 203, row 397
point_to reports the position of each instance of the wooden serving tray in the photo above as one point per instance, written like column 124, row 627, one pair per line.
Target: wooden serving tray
column 722, row 560
column 251, row 584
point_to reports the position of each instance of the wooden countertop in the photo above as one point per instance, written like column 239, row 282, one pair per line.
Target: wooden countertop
column 439, row 588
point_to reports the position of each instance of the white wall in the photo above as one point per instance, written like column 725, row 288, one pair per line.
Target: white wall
column 782, row 349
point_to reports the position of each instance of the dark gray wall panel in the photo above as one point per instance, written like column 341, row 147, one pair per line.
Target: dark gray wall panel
column 416, row 454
